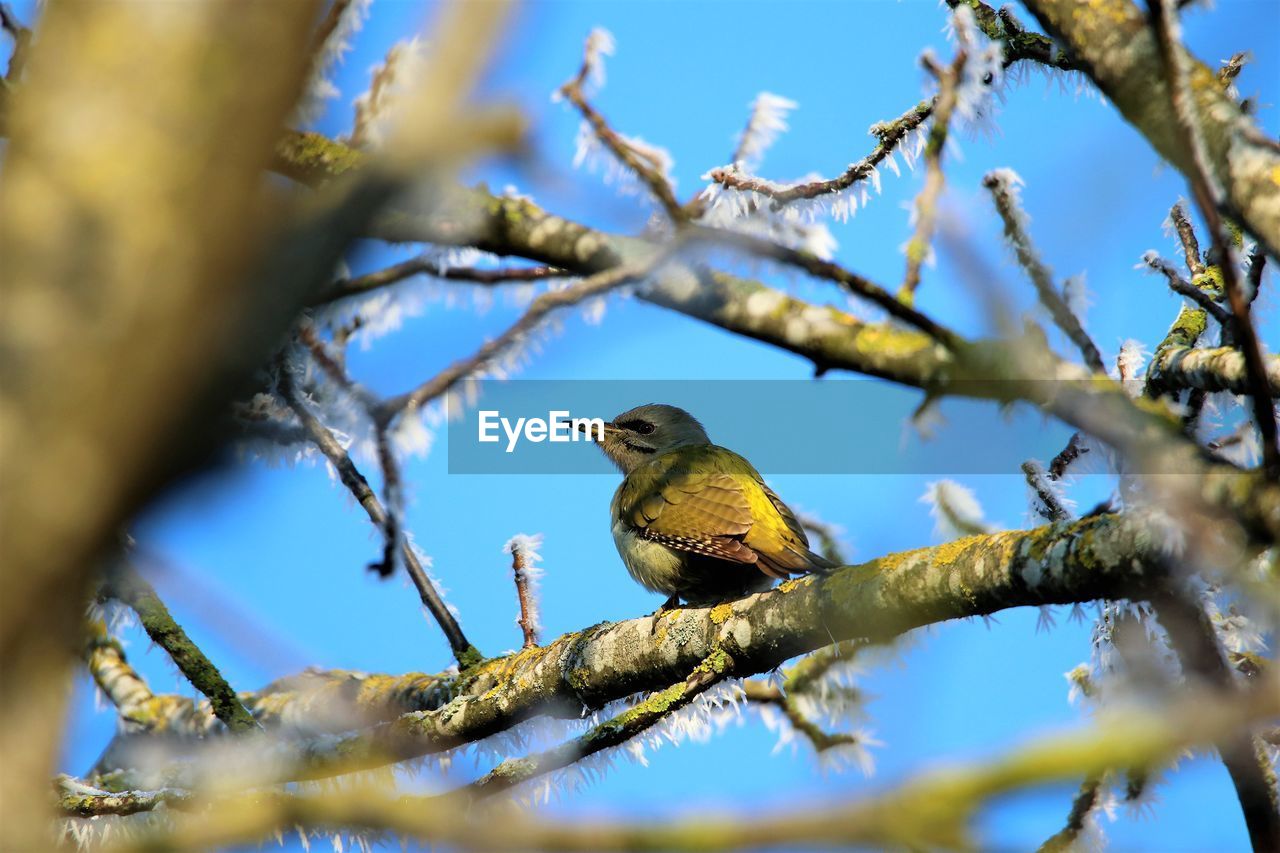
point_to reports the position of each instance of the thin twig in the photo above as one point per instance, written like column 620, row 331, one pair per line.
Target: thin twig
column 926, row 206
column 1051, row 508
column 596, row 285
column 889, row 136
column 1209, row 197
column 1018, row 45
column 1257, row 261
column 1074, row 449
column 1083, row 803
column 817, row 267
column 328, row 25
column 129, row 587
column 391, row 492
column 361, row 284
column 820, row 739
column 1181, row 286
column 1064, row 318
column 1187, row 236
column 637, row 161
column 466, row 654
column 528, row 620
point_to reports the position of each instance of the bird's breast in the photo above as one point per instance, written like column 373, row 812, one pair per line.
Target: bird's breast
column 652, row 564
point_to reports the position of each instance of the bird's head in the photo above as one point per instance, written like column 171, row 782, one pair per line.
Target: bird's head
column 638, row 435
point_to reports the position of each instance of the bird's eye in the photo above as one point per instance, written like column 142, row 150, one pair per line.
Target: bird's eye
column 638, row 426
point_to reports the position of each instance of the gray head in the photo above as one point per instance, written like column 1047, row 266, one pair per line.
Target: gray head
column 640, row 434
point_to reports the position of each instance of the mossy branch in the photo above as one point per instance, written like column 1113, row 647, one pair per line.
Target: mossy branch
column 1109, row 556
column 1114, row 46
column 129, row 587
column 612, row 732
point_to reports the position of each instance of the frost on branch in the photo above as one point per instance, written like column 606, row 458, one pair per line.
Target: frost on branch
column 983, row 74
column 345, row 18
column 954, row 509
column 600, row 43
column 375, row 109
column 590, row 153
column 523, row 549
column 767, row 122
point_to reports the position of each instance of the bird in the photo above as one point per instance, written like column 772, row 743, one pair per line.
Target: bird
column 695, row 521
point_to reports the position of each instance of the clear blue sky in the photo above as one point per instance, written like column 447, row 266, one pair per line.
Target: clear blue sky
column 266, row 565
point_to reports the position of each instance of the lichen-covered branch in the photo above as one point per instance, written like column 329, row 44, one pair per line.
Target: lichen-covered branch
column 1210, row 197
column 1209, row 369
column 1114, row 45
column 1097, row 557
column 76, row 799
column 129, row 587
column 1181, row 286
column 115, row 677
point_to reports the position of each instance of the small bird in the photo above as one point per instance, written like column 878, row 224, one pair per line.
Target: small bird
column 695, row 521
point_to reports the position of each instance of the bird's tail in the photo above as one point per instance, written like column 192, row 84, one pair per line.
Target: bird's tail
column 796, row 561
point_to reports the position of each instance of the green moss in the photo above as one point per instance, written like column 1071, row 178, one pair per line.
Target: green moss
column 470, row 657
column 315, row 157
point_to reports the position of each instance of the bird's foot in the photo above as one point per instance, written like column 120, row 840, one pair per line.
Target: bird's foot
column 671, row 605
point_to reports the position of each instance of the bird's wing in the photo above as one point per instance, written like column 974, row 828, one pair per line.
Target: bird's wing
column 788, row 517
column 704, row 512
column 779, row 539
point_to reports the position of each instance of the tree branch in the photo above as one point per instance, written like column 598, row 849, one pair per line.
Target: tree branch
column 610, row 733
column 623, row 149
column 115, row 677
column 1193, row 639
column 1115, row 47
column 1096, row 557
column 926, row 204
column 596, row 285
column 1210, row 197
column 1001, row 185
column 1209, row 369
column 1181, row 286
column 126, row 585
column 463, row 651
column 361, row 284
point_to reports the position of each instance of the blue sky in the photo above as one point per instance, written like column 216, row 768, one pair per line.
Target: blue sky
column 265, row 566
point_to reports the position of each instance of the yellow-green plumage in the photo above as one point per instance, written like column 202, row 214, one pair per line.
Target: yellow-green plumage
column 695, row 520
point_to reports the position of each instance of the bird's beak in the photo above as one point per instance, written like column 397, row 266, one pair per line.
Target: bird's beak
column 608, row 429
